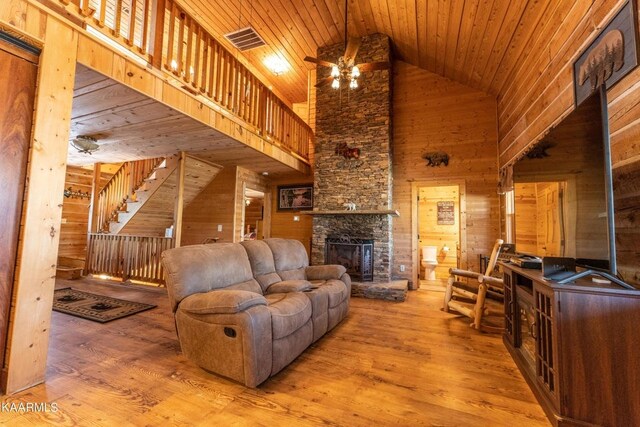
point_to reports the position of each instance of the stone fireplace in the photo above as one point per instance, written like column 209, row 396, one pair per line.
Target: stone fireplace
column 360, row 119
column 356, row 255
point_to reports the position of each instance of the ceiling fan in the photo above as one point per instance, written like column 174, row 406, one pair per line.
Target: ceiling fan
column 346, row 68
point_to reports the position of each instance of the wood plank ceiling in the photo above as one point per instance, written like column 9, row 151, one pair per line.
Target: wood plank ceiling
column 131, row 126
column 478, row 43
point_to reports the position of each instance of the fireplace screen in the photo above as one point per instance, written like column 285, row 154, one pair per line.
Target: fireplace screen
column 356, row 255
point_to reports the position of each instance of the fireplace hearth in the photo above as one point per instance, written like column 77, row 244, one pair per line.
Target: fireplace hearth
column 355, row 254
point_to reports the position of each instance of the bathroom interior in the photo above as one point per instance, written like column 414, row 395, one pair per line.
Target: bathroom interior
column 438, row 232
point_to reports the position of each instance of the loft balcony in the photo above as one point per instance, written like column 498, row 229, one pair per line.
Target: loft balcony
column 160, row 41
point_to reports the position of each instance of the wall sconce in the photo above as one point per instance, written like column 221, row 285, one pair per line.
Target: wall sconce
column 445, row 248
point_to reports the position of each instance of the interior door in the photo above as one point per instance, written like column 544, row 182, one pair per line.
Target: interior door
column 17, row 86
column 439, row 225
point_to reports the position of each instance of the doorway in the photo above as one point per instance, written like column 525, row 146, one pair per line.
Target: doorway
column 439, row 231
column 253, row 216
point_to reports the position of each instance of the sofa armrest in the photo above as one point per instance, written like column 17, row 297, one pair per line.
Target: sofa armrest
column 289, row 286
column 221, row 302
column 325, row 272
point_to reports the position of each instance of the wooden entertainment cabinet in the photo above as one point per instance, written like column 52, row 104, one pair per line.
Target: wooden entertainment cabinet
column 577, row 345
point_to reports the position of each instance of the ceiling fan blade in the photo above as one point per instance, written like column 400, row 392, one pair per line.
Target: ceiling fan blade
column 352, row 49
column 319, row 61
column 324, row 81
column 372, row 66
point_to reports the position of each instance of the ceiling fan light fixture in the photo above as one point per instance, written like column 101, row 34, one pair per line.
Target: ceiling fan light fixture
column 335, row 72
column 355, row 72
column 353, row 84
column 336, row 83
column 85, row 144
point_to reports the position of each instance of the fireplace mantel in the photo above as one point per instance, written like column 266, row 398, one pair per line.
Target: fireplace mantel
column 390, row 212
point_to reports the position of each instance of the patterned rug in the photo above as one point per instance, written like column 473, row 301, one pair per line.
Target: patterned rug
column 95, row 307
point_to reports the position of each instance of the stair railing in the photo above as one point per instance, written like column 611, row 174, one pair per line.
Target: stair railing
column 121, row 188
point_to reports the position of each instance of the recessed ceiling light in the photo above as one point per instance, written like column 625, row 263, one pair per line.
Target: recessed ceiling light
column 276, row 64
column 265, row 173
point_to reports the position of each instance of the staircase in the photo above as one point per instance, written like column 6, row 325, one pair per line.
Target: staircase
column 140, row 197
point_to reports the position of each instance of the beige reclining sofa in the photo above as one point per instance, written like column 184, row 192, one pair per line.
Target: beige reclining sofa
column 246, row 310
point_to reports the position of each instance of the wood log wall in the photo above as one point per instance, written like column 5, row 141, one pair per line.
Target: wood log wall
column 540, row 94
column 432, row 113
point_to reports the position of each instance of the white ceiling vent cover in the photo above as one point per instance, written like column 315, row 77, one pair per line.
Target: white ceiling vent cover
column 245, row 39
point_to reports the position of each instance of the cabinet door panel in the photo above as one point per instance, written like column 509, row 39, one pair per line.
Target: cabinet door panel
column 546, row 358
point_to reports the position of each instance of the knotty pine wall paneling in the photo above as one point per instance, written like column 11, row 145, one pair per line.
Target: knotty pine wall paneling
column 432, row 113
column 539, row 94
column 214, row 206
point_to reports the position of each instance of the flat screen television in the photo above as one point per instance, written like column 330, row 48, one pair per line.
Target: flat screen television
column 563, row 192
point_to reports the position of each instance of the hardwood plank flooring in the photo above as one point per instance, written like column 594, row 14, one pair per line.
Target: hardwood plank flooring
column 386, row 364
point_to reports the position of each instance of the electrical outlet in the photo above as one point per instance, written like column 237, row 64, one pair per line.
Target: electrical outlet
column 401, row 267
column 219, row 227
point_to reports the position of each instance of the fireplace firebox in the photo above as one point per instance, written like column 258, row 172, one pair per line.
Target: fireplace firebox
column 355, row 254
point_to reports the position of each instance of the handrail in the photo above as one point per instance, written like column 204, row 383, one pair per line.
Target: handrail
column 127, row 257
column 173, row 41
column 121, row 187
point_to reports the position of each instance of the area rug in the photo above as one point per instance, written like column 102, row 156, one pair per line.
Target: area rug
column 98, row 308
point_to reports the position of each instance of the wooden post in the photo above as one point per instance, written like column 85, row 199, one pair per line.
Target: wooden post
column 179, row 203
column 26, row 358
column 157, row 26
column 95, row 192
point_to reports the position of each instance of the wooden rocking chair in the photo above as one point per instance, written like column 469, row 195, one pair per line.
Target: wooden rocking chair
column 471, row 290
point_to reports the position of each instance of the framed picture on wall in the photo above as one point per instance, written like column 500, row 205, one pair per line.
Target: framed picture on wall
column 295, row 197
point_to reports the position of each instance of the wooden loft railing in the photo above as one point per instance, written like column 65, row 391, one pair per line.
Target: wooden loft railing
column 171, row 40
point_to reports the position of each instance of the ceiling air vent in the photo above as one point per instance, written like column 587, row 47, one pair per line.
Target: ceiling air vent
column 245, row 39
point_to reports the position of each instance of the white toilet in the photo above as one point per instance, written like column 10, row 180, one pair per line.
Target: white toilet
column 429, row 261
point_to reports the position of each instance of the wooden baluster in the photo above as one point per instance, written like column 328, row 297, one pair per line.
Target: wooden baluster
column 225, row 78
column 146, row 25
column 132, row 23
column 179, row 57
column 188, row 67
column 118, row 17
column 213, row 49
column 103, row 13
column 170, row 37
column 197, row 58
column 206, row 52
column 219, row 73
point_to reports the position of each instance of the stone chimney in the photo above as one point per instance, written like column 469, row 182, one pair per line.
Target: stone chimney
column 355, row 120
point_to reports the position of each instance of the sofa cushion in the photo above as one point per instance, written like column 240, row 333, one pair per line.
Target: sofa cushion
column 289, row 286
column 221, row 302
column 289, row 312
column 262, row 263
column 288, row 254
column 201, row 268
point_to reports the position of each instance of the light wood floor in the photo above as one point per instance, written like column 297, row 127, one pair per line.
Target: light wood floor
column 386, row 364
